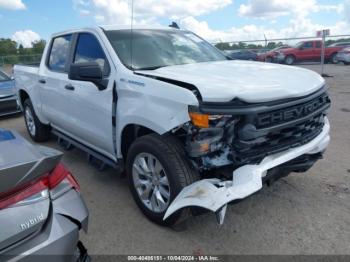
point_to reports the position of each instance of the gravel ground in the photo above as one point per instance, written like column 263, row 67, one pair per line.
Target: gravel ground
column 300, row 214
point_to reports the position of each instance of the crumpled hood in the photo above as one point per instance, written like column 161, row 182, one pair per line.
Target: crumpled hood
column 248, row 81
column 7, row 88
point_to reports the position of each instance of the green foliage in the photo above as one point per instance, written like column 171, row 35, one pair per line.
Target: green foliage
column 7, row 47
column 12, row 53
column 332, row 41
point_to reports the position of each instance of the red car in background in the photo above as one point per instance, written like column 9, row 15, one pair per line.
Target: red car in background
column 271, row 56
column 308, row 51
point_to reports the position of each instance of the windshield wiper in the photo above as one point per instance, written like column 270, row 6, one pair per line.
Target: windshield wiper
column 151, row 68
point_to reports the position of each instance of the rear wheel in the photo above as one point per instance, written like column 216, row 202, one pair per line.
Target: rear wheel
column 37, row 130
column 334, row 59
column 290, row 60
column 158, row 170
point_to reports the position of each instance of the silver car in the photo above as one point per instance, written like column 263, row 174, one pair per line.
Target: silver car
column 8, row 97
column 41, row 209
column 344, row 56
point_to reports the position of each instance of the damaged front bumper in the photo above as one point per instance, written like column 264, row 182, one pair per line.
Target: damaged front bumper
column 215, row 194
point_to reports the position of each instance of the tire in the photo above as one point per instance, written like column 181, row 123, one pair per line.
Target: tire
column 289, row 60
column 169, row 152
column 334, row 59
column 268, row 59
column 37, row 130
column 346, row 63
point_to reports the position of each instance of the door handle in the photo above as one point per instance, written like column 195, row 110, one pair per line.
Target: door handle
column 42, row 81
column 69, row 87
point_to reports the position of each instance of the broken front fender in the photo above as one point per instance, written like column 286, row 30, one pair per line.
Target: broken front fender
column 213, row 194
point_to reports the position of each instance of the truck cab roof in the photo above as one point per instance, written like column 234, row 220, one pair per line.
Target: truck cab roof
column 114, row 27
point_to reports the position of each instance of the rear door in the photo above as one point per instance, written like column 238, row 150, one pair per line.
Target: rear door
column 53, row 78
column 90, row 109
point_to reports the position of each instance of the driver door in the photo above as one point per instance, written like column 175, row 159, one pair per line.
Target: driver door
column 306, row 53
column 91, row 108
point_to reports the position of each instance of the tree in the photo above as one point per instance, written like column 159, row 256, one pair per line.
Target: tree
column 271, row 45
column 7, row 47
column 38, row 47
column 223, row 46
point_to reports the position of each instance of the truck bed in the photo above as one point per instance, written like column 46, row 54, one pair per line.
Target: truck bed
column 26, row 78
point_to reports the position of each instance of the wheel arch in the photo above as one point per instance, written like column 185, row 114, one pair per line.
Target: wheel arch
column 129, row 134
column 22, row 96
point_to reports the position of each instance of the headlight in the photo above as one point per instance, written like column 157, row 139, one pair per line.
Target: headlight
column 205, row 141
column 203, row 120
column 199, row 120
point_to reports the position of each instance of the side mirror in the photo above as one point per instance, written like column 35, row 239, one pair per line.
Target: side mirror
column 301, row 48
column 88, row 72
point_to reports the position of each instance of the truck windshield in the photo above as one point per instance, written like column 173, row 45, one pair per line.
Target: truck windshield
column 153, row 49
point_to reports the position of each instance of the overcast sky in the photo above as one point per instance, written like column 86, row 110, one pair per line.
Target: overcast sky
column 216, row 20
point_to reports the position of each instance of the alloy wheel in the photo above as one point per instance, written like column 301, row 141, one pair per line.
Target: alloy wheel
column 151, row 182
column 30, row 121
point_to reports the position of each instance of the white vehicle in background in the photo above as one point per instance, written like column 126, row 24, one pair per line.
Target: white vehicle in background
column 344, row 56
column 190, row 127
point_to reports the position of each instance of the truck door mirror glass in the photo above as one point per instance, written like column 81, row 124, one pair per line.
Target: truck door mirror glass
column 88, row 72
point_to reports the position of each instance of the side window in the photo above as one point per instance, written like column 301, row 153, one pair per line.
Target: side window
column 89, row 50
column 308, row 45
column 318, row 44
column 59, row 53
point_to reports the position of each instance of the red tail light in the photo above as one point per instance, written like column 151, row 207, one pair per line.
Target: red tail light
column 60, row 173
column 49, row 181
column 14, row 196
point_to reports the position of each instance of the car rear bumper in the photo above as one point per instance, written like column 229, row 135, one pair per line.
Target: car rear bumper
column 59, row 239
column 9, row 105
column 215, row 194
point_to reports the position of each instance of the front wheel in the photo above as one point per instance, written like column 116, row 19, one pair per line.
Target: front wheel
column 158, row 169
column 290, row 60
column 37, row 130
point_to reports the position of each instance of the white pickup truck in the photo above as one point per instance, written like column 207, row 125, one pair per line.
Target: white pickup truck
column 190, row 127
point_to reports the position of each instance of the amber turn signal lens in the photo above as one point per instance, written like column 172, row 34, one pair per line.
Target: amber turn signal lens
column 199, row 120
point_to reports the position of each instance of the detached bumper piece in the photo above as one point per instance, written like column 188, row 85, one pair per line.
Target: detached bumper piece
column 215, row 194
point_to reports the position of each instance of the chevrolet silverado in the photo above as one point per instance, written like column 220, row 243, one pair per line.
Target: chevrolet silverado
column 191, row 127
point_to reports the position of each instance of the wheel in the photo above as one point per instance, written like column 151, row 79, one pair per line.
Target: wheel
column 334, row 59
column 37, row 130
column 158, row 169
column 289, row 60
column 346, row 63
column 269, row 59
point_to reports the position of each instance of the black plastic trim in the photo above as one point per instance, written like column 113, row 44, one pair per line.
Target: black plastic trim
column 237, row 107
column 88, row 150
